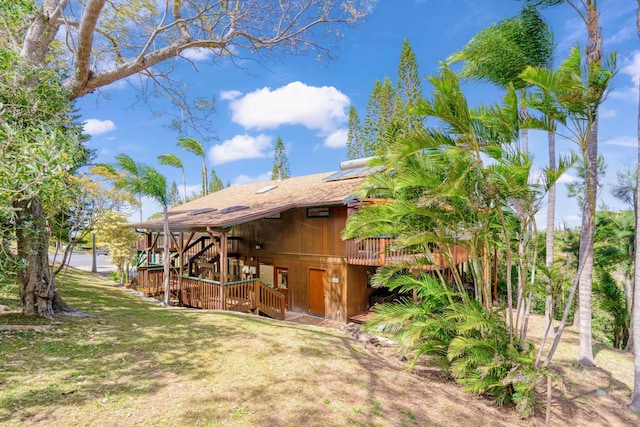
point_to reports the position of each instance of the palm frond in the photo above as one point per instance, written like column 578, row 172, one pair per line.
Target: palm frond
column 154, row 185
column 127, row 164
column 191, row 145
column 170, row 160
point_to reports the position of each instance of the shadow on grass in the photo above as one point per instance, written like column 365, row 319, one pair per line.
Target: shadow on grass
column 201, row 367
column 197, row 367
column 129, row 348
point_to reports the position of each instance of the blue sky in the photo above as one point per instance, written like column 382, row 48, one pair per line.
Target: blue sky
column 305, row 101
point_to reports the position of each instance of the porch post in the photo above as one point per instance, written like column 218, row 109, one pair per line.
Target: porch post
column 149, row 243
column 181, row 266
column 223, row 264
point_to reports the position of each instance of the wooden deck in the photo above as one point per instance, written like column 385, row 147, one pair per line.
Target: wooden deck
column 377, row 251
column 361, row 318
column 243, row 296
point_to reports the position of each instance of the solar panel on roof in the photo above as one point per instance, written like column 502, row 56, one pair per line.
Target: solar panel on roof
column 201, row 211
column 353, row 173
column 233, row 209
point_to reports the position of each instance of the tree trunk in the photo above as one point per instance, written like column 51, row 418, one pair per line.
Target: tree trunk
column 635, row 397
column 505, row 232
column 36, row 284
column 587, row 231
column 167, row 260
column 205, row 185
column 550, row 236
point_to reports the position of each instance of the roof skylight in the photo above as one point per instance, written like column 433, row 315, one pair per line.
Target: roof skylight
column 233, row 209
column 201, row 211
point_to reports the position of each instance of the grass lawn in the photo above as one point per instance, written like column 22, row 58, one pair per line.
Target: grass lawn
column 134, row 363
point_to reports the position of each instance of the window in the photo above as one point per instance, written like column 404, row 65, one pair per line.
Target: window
column 318, row 212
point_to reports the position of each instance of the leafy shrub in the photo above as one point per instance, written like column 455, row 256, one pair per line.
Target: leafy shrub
column 447, row 329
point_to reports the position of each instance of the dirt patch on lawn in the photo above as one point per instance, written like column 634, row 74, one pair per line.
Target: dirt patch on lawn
column 594, row 396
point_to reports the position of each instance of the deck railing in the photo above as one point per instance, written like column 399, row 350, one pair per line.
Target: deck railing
column 376, row 251
column 243, row 296
column 269, row 301
column 240, row 296
column 149, row 280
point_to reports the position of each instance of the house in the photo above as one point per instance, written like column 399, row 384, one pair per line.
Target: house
column 267, row 248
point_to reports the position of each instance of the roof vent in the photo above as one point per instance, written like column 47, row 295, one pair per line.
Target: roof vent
column 266, row 189
column 233, row 209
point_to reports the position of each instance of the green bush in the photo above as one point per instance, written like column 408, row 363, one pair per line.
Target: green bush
column 448, row 329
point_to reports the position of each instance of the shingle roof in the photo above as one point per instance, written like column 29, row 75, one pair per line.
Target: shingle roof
column 302, row 191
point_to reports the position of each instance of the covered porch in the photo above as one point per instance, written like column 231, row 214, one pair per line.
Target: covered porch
column 243, row 296
column 199, row 275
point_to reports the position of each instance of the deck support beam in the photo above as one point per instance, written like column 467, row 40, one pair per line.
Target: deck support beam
column 222, row 234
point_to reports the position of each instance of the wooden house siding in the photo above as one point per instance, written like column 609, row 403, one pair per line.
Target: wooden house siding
column 299, row 244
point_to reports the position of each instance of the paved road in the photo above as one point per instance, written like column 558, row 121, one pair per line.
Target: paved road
column 83, row 261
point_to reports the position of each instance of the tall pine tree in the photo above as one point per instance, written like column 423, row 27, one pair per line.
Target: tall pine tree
column 409, row 91
column 280, row 162
column 380, row 110
column 215, row 183
column 387, row 116
column 355, row 148
column 174, row 195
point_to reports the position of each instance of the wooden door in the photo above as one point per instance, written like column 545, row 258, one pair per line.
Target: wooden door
column 317, row 280
column 282, row 284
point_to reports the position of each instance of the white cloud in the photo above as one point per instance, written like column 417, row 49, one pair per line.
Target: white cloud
column 625, row 33
column 606, row 113
column 536, row 177
column 244, row 179
column 565, row 178
column 96, row 127
column 630, row 66
column 192, row 190
column 229, row 95
column 571, row 220
column 196, row 54
column 623, row 141
column 240, row 147
column 317, row 108
column 337, row 139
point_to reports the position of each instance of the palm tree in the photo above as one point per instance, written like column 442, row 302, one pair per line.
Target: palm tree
column 438, row 181
column 142, row 179
column 128, row 170
column 587, row 10
column 498, row 55
column 195, row 147
column 573, row 94
column 440, row 192
column 635, row 398
column 173, row 160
